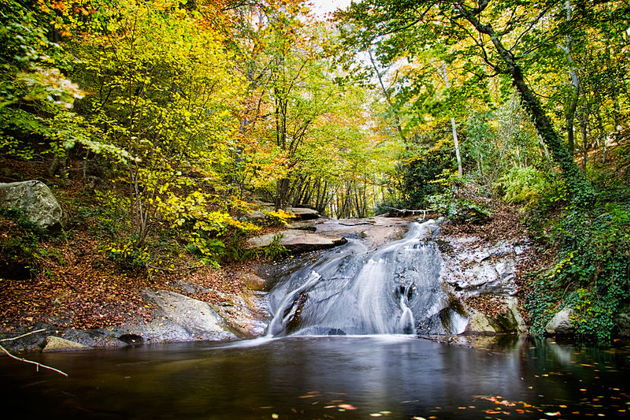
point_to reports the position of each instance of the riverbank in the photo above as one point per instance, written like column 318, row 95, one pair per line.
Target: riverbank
column 80, row 295
column 89, row 301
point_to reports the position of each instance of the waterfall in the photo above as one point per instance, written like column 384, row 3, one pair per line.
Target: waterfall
column 394, row 289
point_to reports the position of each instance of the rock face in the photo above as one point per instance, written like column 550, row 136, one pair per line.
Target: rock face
column 179, row 318
column 34, row 199
column 561, row 323
column 54, row 343
column 297, row 241
column 477, row 270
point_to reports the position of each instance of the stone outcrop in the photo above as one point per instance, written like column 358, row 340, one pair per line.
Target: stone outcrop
column 477, row 271
column 561, row 323
column 303, row 213
column 179, row 318
column 474, row 269
column 507, row 321
column 297, row 241
column 175, row 318
column 34, row 199
column 53, row 343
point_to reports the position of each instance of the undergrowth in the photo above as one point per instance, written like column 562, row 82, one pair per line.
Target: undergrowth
column 590, row 273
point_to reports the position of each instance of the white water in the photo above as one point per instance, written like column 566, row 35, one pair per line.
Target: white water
column 394, row 289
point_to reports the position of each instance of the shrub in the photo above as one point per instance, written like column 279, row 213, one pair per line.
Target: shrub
column 523, row 185
column 590, row 273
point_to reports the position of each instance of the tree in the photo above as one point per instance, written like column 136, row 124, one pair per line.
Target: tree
column 505, row 45
column 36, row 98
column 164, row 90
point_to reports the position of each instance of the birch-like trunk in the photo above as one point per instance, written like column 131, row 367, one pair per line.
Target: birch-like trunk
column 460, row 170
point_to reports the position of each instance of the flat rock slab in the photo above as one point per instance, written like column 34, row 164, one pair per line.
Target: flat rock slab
column 375, row 231
column 309, row 226
column 54, row 343
column 297, row 241
column 34, row 199
column 302, row 213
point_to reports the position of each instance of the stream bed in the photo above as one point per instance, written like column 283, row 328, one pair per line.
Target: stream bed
column 392, row 376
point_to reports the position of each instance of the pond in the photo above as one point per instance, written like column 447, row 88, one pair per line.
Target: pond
column 393, row 376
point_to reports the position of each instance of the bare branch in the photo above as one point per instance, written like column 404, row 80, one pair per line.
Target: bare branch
column 23, row 335
column 531, row 25
column 37, row 364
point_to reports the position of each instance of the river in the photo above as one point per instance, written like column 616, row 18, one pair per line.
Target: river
column 393, row 376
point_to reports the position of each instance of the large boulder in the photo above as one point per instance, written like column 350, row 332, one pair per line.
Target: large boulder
column 178, row 318
column 561, row 323
column 506, row 321
column 479, row 323
column 297, row 241
column 623, row 322
column 34, row 199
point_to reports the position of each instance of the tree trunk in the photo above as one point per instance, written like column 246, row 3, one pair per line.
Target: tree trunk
column 580, row 189
column 575, row 83
column 460, row 170
column 585, row 145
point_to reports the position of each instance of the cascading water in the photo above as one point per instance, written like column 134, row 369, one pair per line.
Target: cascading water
column 394, row 289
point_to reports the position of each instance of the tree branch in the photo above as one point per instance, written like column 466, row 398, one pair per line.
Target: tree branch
column 37, row 364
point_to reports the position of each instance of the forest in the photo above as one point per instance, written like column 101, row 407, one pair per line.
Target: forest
column 162, row 124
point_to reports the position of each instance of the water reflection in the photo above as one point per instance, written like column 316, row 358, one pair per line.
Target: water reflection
column 325, row 377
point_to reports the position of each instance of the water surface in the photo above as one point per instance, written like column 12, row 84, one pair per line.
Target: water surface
column 324, row 377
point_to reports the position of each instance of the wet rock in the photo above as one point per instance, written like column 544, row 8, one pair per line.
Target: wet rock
column 561, row 323
column 244, row 313
column 253, row 281
column 97, row 338
column 54, row 343
column 297, row 241
column 34, row 199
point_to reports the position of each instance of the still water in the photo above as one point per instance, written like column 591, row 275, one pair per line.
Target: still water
column 324, row 377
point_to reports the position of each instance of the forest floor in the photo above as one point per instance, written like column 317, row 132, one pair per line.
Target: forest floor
column 73, row 283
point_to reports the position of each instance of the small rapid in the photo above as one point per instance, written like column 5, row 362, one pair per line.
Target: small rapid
column 352, row 290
